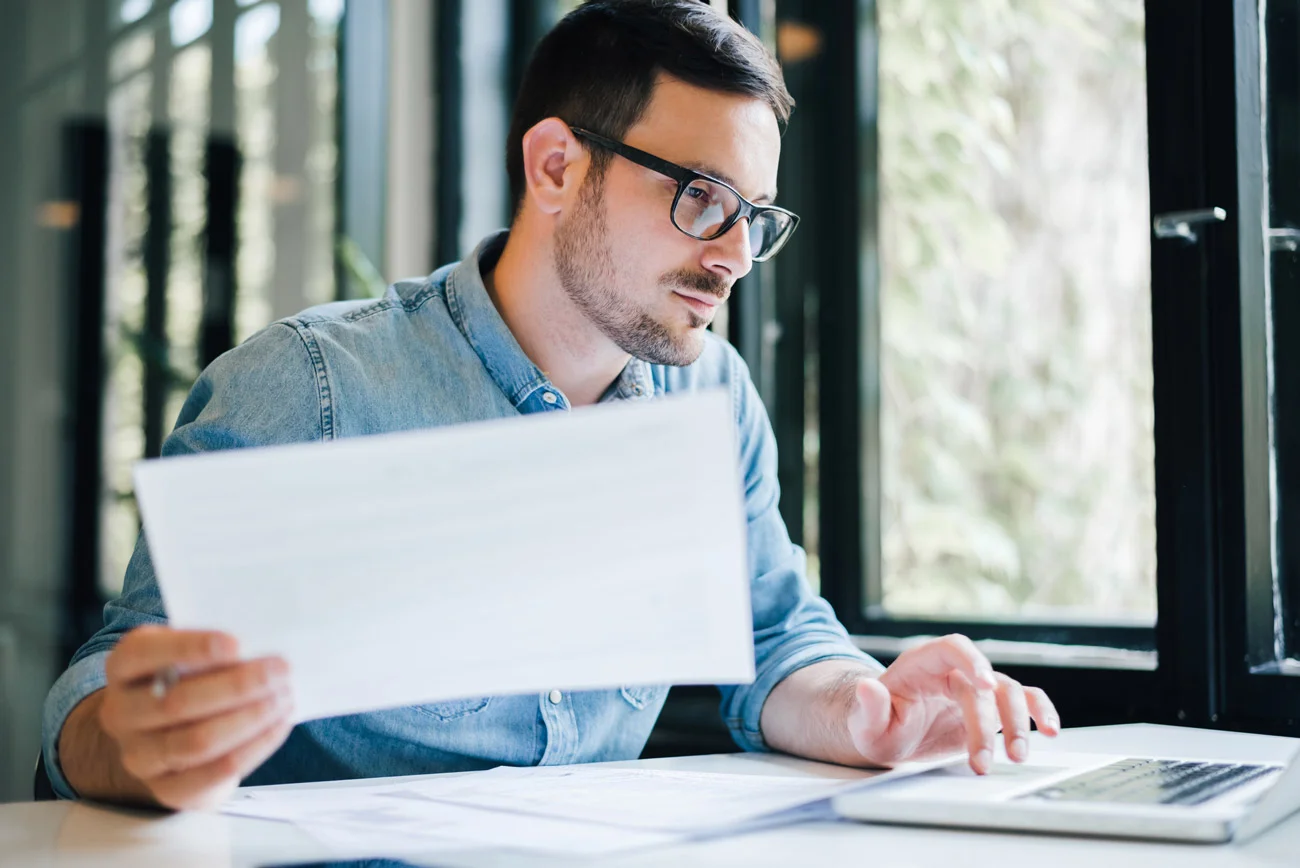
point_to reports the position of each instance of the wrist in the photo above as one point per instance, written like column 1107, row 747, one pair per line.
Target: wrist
column 90, row 758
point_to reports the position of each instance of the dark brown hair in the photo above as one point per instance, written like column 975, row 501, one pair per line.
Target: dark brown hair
column 597, row 69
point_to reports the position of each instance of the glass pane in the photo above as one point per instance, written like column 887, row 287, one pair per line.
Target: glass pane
column 321, row 168
column 129, row 11
column 485, row 55
column 188, row 111
column 190, row 19
column 285, row 104
column 1016, row 382
column 131, row 53
column 129, row 119
column 255, row 77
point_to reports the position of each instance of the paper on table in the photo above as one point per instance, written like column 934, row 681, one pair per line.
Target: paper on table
column 362, row 820
column 591, row 549
column 643, row 799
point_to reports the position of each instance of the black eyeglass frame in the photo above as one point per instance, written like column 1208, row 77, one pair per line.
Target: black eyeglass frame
column 684, row 177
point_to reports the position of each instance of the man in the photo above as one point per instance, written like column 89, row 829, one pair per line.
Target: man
column 643, row 152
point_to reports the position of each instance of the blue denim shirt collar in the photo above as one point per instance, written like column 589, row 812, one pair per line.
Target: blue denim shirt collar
column 518, row 377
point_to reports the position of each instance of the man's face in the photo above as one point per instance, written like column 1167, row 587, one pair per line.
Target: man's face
column 650, row 288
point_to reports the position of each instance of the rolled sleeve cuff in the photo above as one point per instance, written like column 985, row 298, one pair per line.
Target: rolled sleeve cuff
column 745, row 710
column 79, row 681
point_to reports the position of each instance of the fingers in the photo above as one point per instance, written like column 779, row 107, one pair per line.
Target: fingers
column 979, row 714
column 134, row 708
column 146, row 650
column 956, row 652
column 1013, row 709
column 208, row 785
column 154, row 755
column 1043, row 712
column 870, row 717
column 191, row 745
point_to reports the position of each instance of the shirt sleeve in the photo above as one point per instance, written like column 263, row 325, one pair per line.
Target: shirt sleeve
column 793, row 627
column 268, row 390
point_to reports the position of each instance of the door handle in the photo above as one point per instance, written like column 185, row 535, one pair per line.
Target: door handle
column 1178, row 224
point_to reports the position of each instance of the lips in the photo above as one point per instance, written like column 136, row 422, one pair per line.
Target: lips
column 700, row 307
column 705, row 302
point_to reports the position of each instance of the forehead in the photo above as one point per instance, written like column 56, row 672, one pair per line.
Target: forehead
column 732, row 136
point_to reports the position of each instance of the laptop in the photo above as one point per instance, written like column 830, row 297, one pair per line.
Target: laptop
column 1158, row 798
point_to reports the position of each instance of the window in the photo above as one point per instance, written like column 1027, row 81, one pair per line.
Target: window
column 993, row 379
column 1017, row 475
column 1018, row 410
column 180, row 84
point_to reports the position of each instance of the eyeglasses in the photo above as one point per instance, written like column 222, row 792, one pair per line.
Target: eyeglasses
column 704, row 207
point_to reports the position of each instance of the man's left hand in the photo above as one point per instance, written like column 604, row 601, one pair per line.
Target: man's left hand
column 941, row 697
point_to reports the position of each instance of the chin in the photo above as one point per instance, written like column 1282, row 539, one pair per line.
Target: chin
column 690, row 347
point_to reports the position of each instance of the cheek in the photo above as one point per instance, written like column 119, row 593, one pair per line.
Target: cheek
column 643, row 244
column 640, row 213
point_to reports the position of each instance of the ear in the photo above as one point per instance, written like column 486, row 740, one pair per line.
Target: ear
column 555, row 164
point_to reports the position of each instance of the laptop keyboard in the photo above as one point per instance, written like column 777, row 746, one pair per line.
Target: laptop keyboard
column 1152, row 782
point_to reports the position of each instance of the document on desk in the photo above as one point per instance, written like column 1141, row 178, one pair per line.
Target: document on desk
column 648, row 800
column 589, row 549
column 586, row 809
column 368, row 821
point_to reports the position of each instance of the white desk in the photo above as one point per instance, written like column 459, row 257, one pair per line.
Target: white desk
column 67, row 834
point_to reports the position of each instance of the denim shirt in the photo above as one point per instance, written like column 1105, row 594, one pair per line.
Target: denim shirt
column 436, row 352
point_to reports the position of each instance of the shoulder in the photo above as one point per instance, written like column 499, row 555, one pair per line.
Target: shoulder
column 358, row 338
column 405, row 303
column 285, row 382
column 405, row 297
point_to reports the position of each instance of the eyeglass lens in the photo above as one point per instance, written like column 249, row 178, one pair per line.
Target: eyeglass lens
column 704, row 208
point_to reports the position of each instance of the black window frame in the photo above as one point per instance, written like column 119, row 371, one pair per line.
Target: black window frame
column 1261, row 606
column 1210, row 389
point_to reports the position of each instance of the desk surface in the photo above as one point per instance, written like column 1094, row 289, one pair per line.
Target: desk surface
column 69, row 834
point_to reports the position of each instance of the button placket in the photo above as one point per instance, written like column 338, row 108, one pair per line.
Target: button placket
column 561, row 729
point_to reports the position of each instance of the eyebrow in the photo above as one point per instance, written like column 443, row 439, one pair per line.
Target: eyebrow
column 714, row 172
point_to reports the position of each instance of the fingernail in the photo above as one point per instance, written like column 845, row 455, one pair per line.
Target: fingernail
column 986, row 676
column 1018, row 749
column 983, row 761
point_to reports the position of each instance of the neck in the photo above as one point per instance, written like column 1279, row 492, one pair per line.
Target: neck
column 551, row 330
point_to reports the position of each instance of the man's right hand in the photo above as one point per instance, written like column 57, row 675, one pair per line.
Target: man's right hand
column 189, row 747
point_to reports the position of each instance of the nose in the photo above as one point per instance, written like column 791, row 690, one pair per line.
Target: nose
column 730, row 252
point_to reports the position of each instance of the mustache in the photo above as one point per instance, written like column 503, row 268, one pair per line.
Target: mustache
column 700, row 281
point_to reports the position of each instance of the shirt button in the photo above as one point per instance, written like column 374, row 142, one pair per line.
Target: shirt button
column 555, row 697
column 549, row 397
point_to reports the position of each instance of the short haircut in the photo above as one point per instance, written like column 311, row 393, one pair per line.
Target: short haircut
column 597, row 69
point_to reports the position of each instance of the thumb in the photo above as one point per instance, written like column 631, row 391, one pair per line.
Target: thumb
column 871, row 715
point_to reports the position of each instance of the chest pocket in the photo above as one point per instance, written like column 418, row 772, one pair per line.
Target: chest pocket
column 641, row 696
column 455, row 709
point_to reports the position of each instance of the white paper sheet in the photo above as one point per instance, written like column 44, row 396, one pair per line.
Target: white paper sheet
column 369, row 820
column 641, row 799
column 591, row 549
